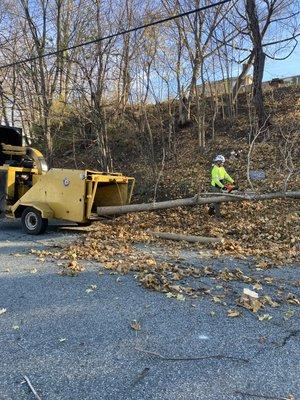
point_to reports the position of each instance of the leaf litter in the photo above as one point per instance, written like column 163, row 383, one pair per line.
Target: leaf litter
column 266, row 232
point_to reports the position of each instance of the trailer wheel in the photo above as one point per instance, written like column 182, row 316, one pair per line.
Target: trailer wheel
column 32, row 221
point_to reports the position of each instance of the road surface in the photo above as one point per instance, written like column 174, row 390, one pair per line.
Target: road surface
column 78, row 344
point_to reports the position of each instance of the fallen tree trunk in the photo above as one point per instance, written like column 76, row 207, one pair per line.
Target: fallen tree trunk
column 187, row 238
column 192, row 201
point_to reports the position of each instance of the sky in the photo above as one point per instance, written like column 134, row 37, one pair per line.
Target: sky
column 285, row 68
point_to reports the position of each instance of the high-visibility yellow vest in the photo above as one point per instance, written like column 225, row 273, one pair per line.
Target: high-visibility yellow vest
column 218, row 174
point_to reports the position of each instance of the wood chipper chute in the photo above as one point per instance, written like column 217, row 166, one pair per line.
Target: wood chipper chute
column 30, row 192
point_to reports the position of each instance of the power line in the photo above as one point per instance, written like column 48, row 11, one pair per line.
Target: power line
column 52, row 53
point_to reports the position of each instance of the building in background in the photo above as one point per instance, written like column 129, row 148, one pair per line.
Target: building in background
column 292, row 80
column 225, row 86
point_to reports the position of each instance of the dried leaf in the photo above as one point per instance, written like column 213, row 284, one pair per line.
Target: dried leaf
column 265, row 317
column 150, row 262
column 176, row 276
column 293, row 299
column 257, row 286
column 270, row 302
column 233, row 313
column 135, row 325
column 290, row 397
column 217, row 299
column 269, row 279
column 170, row 295
column 91, row 288
column 263, row 265
column 94, row 287
column 249, row 303
column 256, row 305
column 288, row 314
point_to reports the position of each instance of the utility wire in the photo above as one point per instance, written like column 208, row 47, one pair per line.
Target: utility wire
column 100, row 39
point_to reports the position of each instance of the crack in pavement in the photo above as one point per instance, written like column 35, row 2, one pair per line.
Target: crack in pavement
column 291, row 335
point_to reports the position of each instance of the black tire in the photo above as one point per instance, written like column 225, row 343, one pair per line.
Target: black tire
column 32, row 221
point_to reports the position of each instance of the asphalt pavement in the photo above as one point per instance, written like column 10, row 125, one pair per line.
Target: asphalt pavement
column 72, row 336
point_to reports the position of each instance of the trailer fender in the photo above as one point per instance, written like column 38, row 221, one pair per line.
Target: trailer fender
column 45, row 210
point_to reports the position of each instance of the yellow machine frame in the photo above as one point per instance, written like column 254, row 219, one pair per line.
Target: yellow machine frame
column 65, row 194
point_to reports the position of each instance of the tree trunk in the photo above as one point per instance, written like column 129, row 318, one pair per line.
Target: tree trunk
column 240, row 79
column 259, row 61
column 192, row 201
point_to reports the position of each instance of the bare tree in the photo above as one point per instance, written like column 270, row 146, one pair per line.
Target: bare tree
column 259, row 60
column 258, row 23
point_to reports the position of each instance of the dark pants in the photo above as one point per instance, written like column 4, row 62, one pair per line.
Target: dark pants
column 215, row 208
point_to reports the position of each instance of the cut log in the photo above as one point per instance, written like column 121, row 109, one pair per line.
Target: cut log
column 76, row 229
column 192, row 201
column 187, row 238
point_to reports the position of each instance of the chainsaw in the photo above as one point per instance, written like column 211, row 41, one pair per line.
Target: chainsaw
column 230, row 187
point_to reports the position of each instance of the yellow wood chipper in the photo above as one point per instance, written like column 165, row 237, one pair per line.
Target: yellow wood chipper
column 28, row 190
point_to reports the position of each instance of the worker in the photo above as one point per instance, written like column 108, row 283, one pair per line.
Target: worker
column 221, row 181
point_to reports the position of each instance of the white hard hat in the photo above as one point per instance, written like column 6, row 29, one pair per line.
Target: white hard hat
column 219, row 158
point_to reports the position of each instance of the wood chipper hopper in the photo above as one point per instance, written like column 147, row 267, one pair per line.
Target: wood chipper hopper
column 30, row 192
